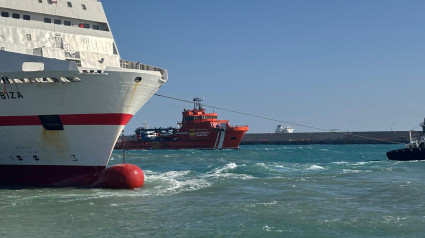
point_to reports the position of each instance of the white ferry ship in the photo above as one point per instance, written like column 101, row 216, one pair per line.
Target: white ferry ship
column 65, row 92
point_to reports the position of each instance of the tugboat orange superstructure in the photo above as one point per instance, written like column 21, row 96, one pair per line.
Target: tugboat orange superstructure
column 198, row 130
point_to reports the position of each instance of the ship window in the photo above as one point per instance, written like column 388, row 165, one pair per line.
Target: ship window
column 29, row 37
column 57, row 21
column 83, row 6
column 47, row 20
column 96, row 27
column 16, row 15
column 84, row 25
column 26, row 17
column 67, row 23
column 232, row 138
column 40, row 1
column 50, row 1
column 4, row 14
column 69, row 4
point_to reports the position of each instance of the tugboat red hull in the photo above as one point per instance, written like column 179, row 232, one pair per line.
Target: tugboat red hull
column 214, row 139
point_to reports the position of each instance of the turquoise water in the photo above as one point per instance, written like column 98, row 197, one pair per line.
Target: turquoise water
column 257, row 191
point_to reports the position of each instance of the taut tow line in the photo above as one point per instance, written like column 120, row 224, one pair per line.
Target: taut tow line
column 281, row 121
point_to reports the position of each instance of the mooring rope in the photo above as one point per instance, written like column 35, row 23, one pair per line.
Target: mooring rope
column 281, row 121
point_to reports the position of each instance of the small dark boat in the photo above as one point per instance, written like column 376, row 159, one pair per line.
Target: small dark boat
column 415, row 150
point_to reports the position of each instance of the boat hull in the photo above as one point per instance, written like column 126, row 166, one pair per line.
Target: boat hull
column 214, row 139
column 49, row 175
column 407, row 154
column 88, row 114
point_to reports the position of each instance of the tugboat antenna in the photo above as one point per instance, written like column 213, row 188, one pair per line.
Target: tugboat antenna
column 197, row 103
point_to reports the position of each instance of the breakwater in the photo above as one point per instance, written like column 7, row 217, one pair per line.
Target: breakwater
column 366, row 137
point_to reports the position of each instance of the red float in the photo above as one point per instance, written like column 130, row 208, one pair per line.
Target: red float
column 121, row 176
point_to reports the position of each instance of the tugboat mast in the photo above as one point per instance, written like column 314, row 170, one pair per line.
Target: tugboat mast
column 197, row 103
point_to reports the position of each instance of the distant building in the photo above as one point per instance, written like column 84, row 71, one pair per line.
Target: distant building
column 280, row 129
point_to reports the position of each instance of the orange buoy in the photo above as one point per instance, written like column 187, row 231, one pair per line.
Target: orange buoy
column 121, row 176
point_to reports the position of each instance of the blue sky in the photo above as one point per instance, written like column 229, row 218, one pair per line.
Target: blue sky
column 340, row 64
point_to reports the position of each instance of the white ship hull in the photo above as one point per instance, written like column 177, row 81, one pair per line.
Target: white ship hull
column 65, row 95
column 93, row 108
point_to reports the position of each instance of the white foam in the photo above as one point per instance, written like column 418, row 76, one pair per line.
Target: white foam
column 173, row 182
column 340, row 162
column 225, row 168
column 226, row 172
column 316, row 167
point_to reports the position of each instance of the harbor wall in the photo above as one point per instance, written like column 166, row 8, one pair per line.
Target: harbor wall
column 367, row 137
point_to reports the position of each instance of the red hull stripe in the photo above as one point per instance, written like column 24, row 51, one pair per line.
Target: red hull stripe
column 70, row 119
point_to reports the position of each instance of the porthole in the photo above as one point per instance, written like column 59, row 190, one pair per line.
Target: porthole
column 138, row 79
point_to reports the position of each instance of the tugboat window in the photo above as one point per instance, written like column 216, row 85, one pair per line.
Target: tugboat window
column 57, row 21
column 26, row 17
column 47, row 20
column 96, row 27
column 4, row 14
column 16, row 15
column 69, row 4
column 67, row 23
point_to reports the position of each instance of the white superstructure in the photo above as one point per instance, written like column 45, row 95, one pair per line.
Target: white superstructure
column 280, row 129
column 65, row 92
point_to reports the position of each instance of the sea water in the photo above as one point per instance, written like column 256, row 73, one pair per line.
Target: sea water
column 256, row 191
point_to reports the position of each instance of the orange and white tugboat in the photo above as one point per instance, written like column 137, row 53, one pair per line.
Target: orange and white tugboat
column 198, row 130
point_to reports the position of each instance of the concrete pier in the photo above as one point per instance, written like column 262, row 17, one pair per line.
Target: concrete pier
column 367, row 137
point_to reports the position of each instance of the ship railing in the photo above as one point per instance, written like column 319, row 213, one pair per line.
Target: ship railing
column 126, row 64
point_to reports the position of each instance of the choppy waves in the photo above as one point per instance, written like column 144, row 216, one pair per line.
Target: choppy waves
column 257, row 191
